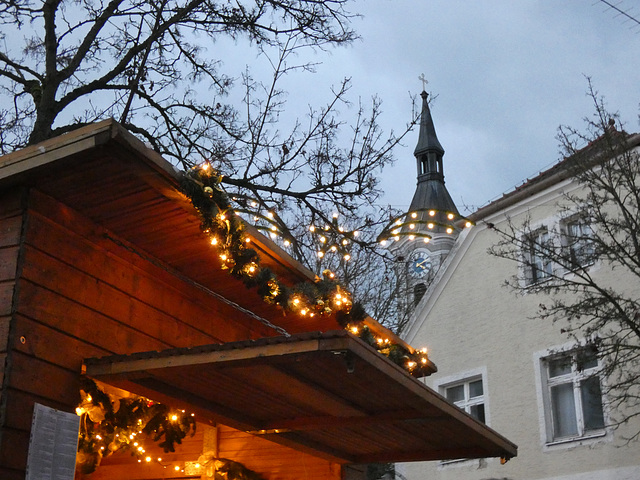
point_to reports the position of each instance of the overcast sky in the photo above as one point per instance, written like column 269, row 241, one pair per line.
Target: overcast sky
column 506, row 73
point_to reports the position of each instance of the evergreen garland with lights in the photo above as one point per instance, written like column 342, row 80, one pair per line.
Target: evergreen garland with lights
column 202, row 185
column 109, row 424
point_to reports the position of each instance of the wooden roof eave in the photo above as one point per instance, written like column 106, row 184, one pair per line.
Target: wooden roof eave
column 327, row 394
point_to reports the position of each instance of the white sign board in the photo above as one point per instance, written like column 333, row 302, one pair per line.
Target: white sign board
column 53, row 444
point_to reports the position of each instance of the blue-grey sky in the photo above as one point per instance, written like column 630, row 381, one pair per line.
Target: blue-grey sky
column 506, row 74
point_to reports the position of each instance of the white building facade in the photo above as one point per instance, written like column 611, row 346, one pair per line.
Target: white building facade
column 521, row 375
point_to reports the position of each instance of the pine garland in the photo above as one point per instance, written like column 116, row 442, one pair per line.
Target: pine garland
column 109, row 424
column 202, row 185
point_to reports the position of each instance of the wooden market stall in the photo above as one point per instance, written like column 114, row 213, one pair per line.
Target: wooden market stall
column 105, row 273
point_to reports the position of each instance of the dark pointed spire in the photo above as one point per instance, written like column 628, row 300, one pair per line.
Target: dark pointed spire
column 430, row 192
column 427, row 140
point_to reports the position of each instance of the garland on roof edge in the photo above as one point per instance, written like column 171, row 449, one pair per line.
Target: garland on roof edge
column 223, row 226
column 109, row 424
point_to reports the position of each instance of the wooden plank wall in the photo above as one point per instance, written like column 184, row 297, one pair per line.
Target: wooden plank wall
column 10, row 232
column 79, row 295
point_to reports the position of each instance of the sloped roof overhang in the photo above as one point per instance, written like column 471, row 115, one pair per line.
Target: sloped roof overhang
column 328, row 394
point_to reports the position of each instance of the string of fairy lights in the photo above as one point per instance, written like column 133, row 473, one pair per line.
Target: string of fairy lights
column 408, row 225
column 109, row 425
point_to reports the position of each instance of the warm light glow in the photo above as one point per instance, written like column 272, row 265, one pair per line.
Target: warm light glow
column 205, row 167
column 223, row 257
column 320, row 254
column 287, row 243
column 432, row 213
column 79, row 411
column 356, row 233
column 345, row 241
column 340, row 229
column 396, row 231
column 411, row 364
column 247, row 240
column 347, row 257
column 468, row 224
column 274, row 228
column 303, row 311
column 398, row 222
column 174, row 418
column 412, row 226
column 430, row 225
column 414, row 215
column 411, row 237
column 296, row 301
column 450, row 216
column 383, row 243
column 148, row 459
column 98, row 437
column 424, row 361
column 423, row 350
column 354, row 330
column 449, row 230
column 177, row 468
column 333, row 248
column 426, row 239
column 214, row 241
column 254, row 204
column 270, row 214
column 323, row 239
column 335, row 215
column 222, row 216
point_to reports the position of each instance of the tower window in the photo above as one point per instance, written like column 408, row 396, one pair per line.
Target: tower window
column 418, row 292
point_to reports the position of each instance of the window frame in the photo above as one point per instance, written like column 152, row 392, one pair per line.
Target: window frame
column 441, row 384
column 531, row 257
column 569, row 242
column 575, row 377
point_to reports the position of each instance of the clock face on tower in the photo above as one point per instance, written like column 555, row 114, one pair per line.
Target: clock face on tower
column 419, row 263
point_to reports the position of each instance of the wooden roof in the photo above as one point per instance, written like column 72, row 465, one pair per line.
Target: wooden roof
column 329, row 394
column 106, row 174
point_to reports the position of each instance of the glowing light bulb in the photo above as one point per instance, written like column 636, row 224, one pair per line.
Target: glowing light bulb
column 323, row 239
column 449, row 230
column 411, row 237
column 333, row 248
column 320, row 254
column 312, row 228
column 430, row 225
column 287, row 243
column 450, row 216
column 414, row 215
column 426, row 239
column 432, row 213
column 174, row 418
column 468, row 224
column 412, row 226
column 354, row 330
column 347, row 257
column 214, row 241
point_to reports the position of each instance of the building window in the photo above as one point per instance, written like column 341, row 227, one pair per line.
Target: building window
column 573, row 397
column 537, row 264
column 418, row 292
column 469, row 396
column 577, row 240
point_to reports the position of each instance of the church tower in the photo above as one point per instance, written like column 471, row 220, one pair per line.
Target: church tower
column 424, row 235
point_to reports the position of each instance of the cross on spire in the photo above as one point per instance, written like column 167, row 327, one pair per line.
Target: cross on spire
column 424, row 81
